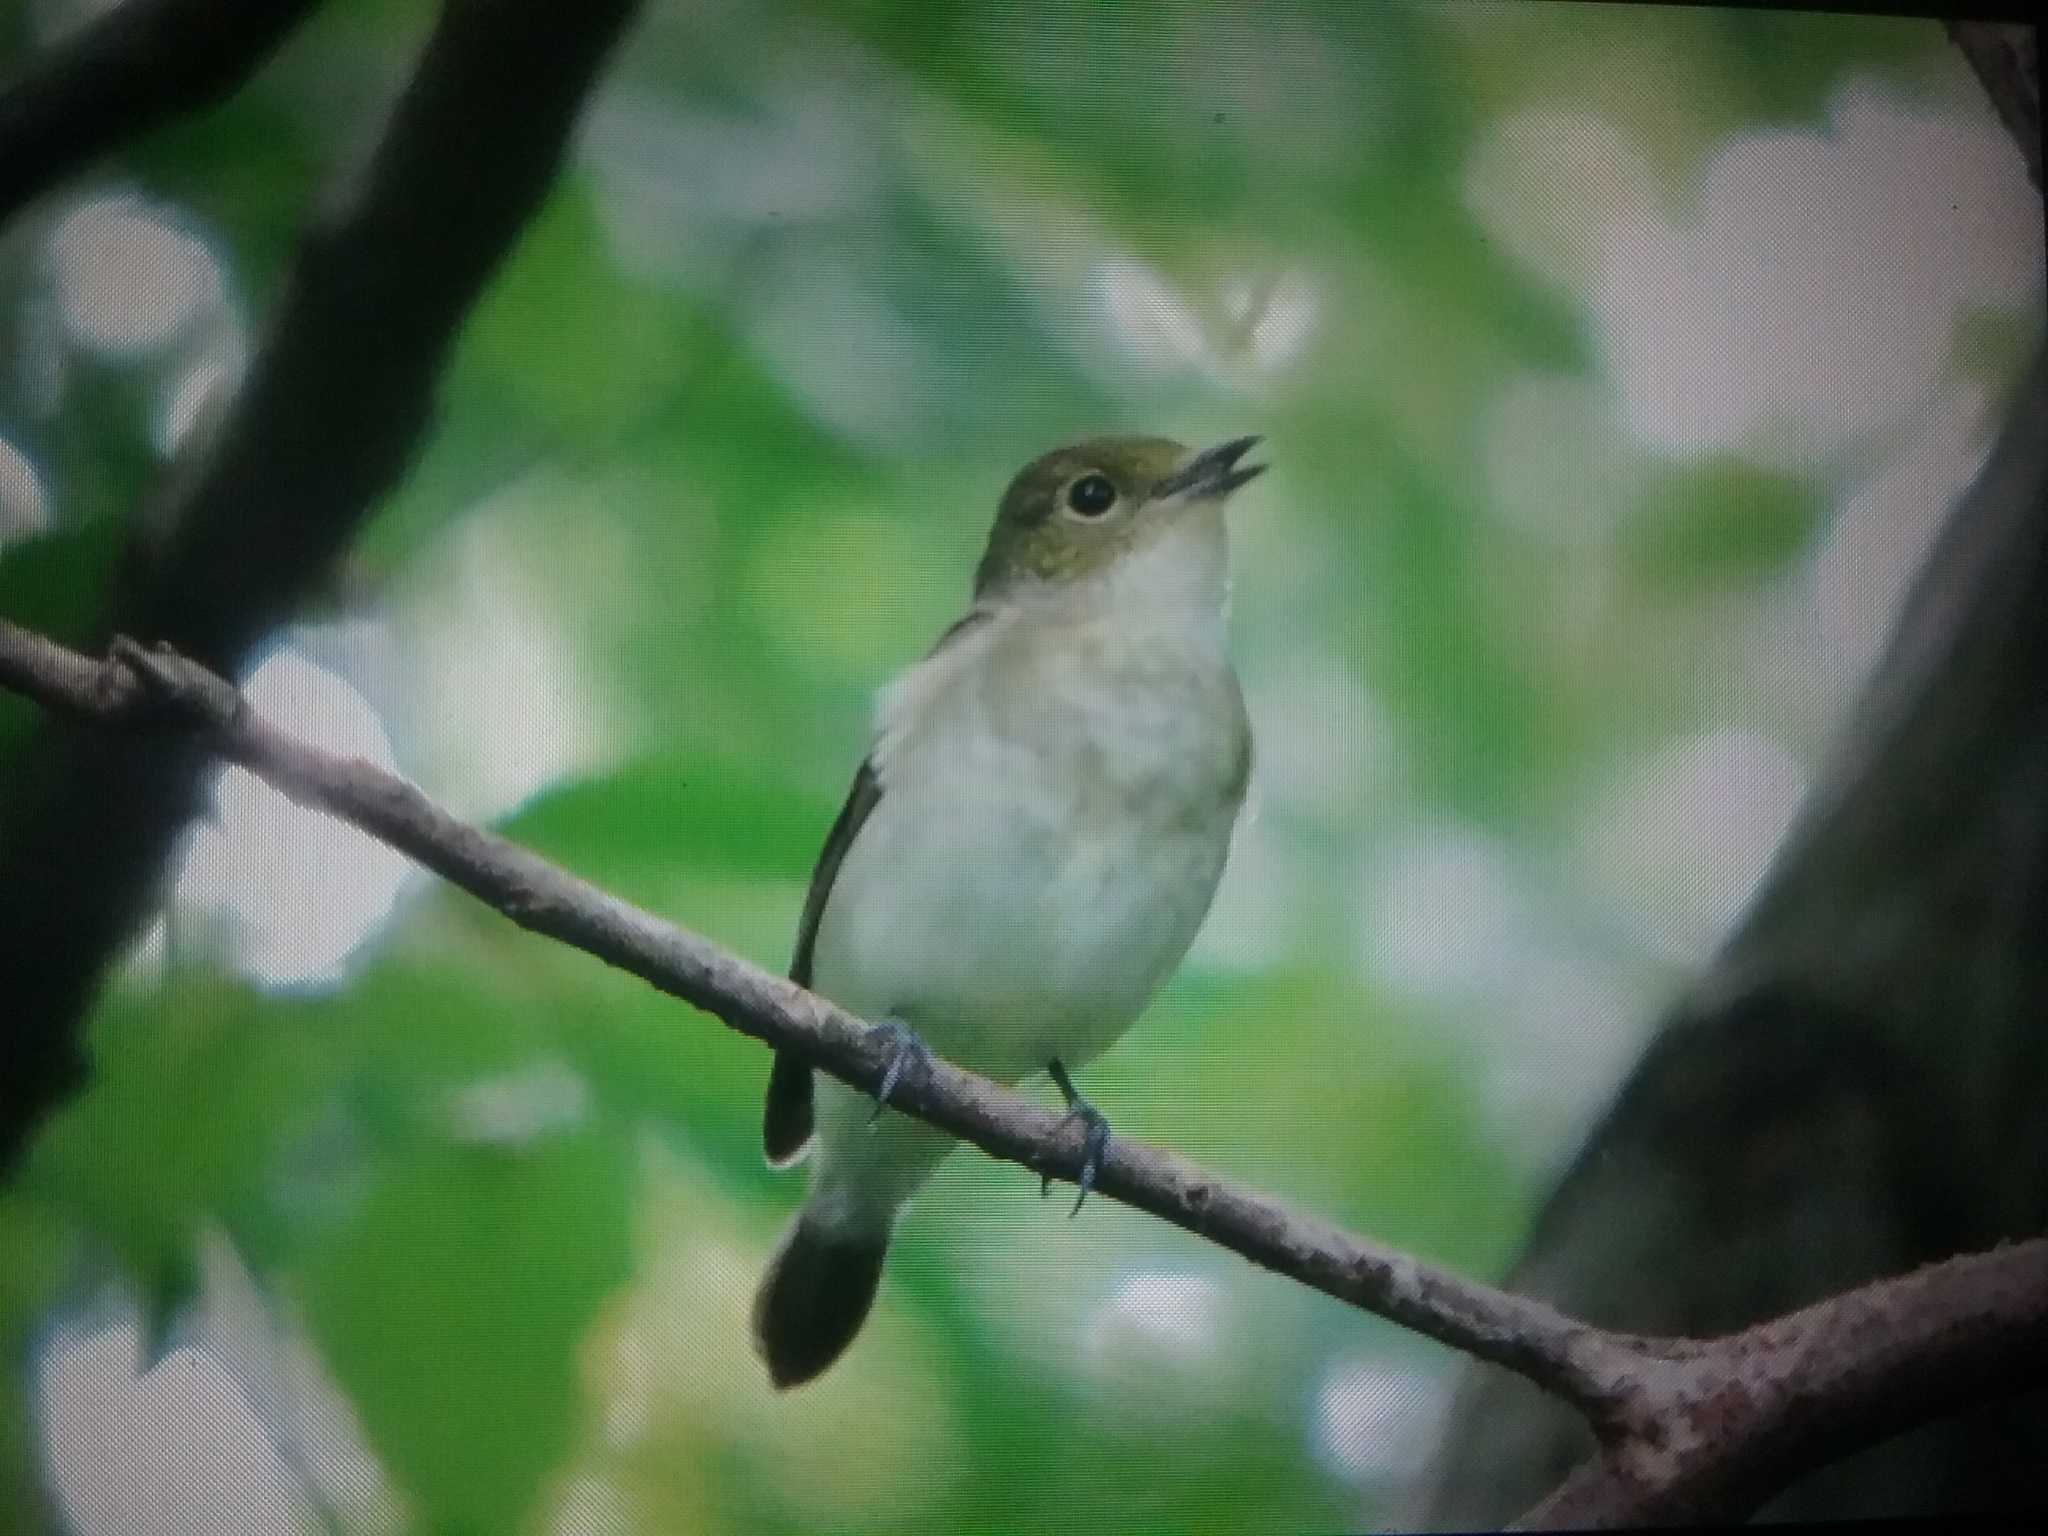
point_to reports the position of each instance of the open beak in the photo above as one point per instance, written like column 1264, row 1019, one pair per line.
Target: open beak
column 1212, row 473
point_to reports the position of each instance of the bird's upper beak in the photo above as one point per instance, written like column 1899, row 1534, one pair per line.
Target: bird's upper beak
column 1214, row 472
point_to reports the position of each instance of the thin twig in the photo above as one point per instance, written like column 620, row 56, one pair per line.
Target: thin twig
column 1686, row 1425
column 155, row 688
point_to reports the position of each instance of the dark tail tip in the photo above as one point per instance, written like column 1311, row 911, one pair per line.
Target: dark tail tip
column 813, row 1299
column 787, row 1116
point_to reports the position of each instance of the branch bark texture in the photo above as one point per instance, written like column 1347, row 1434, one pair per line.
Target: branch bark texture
column 1685, row 1424
column 334, row 406
column 1722, row 1435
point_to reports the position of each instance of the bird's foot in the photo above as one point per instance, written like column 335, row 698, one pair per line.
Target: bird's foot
column 907, row 1053
column 1094, row 1135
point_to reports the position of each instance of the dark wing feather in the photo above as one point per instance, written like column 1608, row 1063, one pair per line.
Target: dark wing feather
column 865, row 795
column 786, row 1118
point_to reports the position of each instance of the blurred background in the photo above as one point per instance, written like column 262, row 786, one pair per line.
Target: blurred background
column 1616, row 365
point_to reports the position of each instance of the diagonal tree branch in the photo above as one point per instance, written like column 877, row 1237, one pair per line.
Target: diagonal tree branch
column 141, row 688
column 124, row 73
column 335, row 404
column 1726, row 1435
column 1685, row 1425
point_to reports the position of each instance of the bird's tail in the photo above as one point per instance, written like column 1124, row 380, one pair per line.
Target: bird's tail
column 814, row 1297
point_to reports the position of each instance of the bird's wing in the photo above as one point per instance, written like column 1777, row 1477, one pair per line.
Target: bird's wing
column 786, row 1117
column 861, row 801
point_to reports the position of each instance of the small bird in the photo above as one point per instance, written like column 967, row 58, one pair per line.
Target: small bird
column 1028, row 849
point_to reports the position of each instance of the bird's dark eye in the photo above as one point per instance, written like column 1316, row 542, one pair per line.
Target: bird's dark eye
column 1091, row 495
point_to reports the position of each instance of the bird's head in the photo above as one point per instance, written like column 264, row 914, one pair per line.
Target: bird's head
column 1074, row 511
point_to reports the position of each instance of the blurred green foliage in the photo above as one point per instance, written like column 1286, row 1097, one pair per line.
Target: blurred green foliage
column 713, row 458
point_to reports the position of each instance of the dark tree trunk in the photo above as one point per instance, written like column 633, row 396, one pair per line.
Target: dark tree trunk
column 1855, row 1086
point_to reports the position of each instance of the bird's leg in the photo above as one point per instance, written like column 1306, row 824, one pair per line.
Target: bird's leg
column 906, row 1052
column 1094, row 1135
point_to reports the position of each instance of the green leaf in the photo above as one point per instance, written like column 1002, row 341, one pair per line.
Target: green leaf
column 185, row 1088
column 245, row 171
column 453, row 1307
column 580, row 347
column 1790, row 64
column 53, row 583
column 1718, row 521
column 1992, row 345
column 1429, row 646
column 697, row 816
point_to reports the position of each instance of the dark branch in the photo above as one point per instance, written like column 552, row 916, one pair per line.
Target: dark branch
column 123, row 74
column 1762, row 1406
column 1677, row 1416
column 334, row 406
column 2007, row 58
column 340, row 395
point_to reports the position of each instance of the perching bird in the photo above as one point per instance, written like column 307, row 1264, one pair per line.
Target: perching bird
column 1027, row 851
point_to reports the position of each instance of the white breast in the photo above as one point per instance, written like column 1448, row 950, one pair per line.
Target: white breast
column 1059, row 787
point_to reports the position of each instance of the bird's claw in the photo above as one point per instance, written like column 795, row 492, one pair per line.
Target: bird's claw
column 1094, row 1136
column 906, row 1051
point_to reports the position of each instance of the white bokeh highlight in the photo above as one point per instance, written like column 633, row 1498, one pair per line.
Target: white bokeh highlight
column 497, row 699
column 1154, row 1318
column 1512, row 972
column 291, row 893
column 1820, row 281
column 24, row 501
column 1548, row 181
column 1808, row 297
column 1551, row 1049
column 680, row 184
column 1373, row 1420
column 515, row 1109
column 1255, row 919
column 127, row 277
column 1560, row 461
column 1679, row 843
column 1446, row 918
column 878, row 382
column 1325, row 742
column 593, row 1507
column 176, row 1448
column 1257, row 325
column 236, row 1429
column 201, row 390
